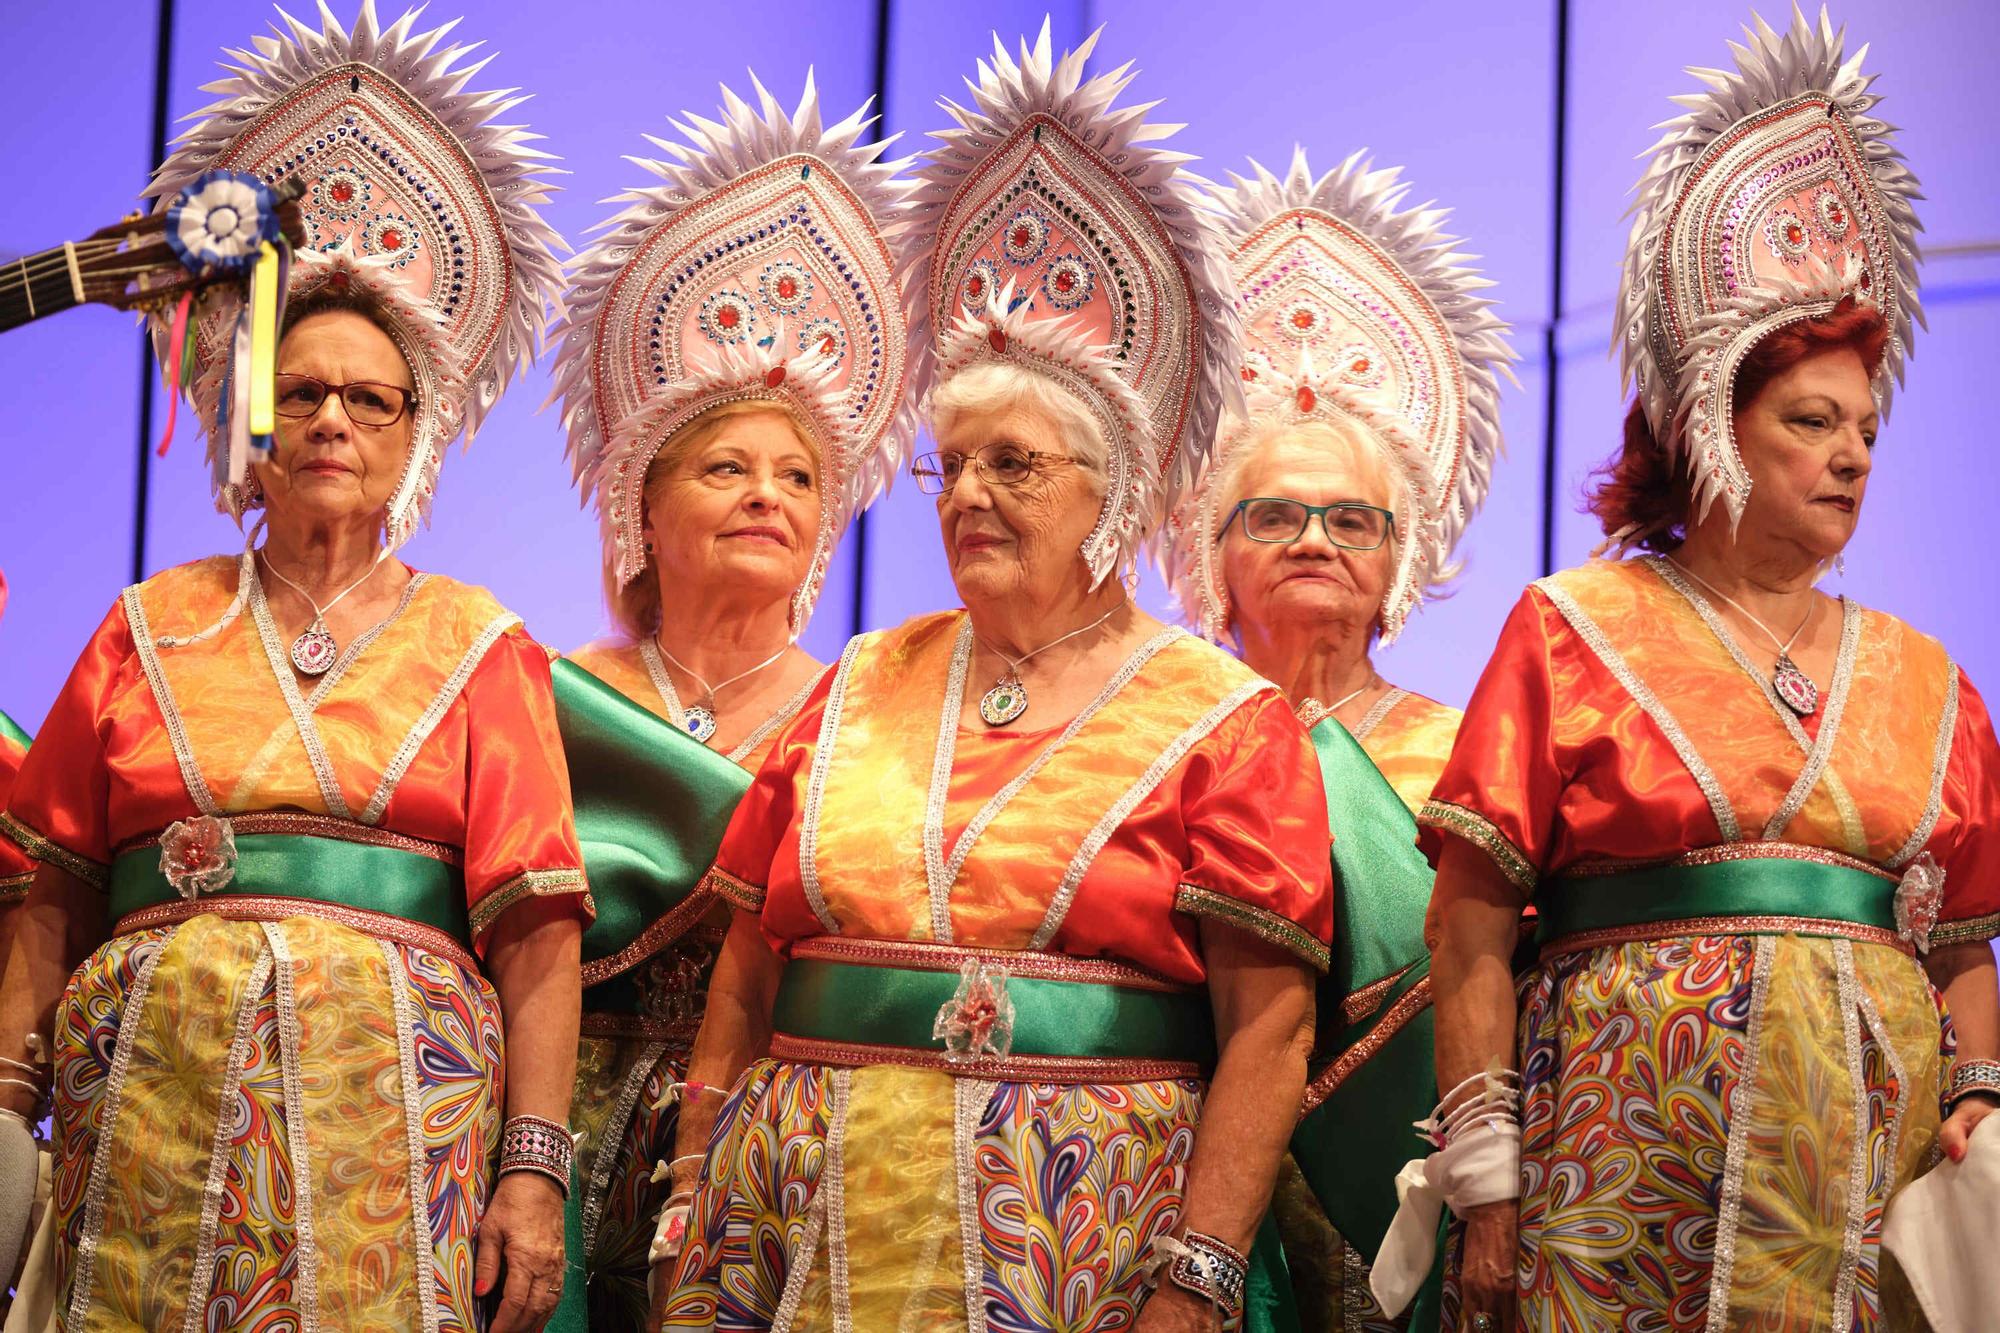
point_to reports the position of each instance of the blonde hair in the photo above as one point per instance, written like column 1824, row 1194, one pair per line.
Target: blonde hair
column 1002, row 386
column 635, row 608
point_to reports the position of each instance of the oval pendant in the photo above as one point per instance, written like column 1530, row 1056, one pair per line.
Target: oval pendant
column 700, row 723
column 1003, row 703
column 314, row 652
column 1795, row 687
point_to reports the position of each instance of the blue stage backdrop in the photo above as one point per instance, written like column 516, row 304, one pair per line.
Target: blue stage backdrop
column 1487, row 107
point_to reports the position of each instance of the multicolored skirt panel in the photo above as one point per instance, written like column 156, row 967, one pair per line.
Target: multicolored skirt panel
column 889, row 1197
column 620, row 1083
column 1713, row 1128
column 285, row 1125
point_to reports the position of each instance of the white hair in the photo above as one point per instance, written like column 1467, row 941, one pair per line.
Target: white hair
column 1003, row 386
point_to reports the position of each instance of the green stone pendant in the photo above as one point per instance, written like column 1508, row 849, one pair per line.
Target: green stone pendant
column 1003, row 703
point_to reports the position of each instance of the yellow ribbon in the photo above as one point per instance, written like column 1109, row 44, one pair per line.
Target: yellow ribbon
column 264, row 340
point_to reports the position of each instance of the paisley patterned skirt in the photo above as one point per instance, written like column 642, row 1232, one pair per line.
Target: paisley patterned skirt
column 273, row 1126
column 889, row 1197
column 1713, row 1128
column 620, row 1082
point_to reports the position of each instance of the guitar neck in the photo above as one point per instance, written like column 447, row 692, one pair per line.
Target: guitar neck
column 39, row 284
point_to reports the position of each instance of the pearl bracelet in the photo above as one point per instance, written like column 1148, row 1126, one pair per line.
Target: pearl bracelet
column 530, row 1143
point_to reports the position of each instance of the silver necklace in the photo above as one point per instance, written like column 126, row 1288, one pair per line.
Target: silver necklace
column 1794, row 686
column 1008, row 698
column 700, row 719
column 314, row 651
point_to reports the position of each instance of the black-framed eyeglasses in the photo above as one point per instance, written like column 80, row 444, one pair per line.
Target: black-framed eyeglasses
column 367, row 403
column 1274, row 519
column 997, row 465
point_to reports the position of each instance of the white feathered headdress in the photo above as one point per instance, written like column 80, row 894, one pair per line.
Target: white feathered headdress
column 757, row 268
column 413, row 194
column 1053, row 233
column 1355, row 307
column 1777, row 195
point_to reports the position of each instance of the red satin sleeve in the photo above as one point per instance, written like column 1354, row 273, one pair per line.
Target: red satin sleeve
column 14, row 862
column 1502, row 786
column 764, row 825
column 520, row 828
column 1971, row 797
column 59, row 808
column 1255, row 817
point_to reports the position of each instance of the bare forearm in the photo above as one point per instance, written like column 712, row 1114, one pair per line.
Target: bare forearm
column 534, row 960
column 735, row 1030
column 1475, row 917
column 51, row 932
column 1971, row 986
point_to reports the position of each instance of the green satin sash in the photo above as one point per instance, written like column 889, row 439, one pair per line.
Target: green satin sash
column 823, row 1000
column 374, row 878
column 1761, row 886
column 11, row 730
column 1351, row 1145
column 651, row 806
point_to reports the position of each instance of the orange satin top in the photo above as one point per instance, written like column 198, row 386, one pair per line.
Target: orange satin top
column 621, row 664
column 1614, row 726
column 440, row 725
column 1409, row 737
column 1191, row 792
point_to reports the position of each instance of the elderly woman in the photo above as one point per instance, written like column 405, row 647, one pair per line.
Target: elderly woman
column 1371, row 362
column 722, row 487
column 1013, row 1017
column 1756, row 821
column 307, row 865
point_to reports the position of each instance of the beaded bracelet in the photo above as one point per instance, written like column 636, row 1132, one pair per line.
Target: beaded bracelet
column 1211, row 1270
column 1972, row 1076
column 530, row 1143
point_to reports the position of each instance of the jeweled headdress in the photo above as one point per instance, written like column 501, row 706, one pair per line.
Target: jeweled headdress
column 1056, row 235
column 757, row 268
column 1777, row 195
column 1354, row 308
column 413, row 195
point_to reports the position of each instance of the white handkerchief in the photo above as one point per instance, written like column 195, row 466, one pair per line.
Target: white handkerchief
column 1941, row 1229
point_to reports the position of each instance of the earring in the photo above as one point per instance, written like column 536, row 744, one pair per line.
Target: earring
column 1840, row 564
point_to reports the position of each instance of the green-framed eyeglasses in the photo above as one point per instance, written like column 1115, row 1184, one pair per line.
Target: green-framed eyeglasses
column 1274, row 519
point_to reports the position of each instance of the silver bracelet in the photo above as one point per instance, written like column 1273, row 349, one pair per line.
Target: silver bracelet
column 1972, row 1076
column 1211, row 1270
column 531, row 1143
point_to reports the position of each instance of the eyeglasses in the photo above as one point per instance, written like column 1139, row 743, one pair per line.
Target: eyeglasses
column 997, row 465
column 1355, row 527
column 366, row 403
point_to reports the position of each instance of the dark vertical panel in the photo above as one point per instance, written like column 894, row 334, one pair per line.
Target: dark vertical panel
column 74, row 116
column 163, row 73
column 857, row 539
column 1558, row 222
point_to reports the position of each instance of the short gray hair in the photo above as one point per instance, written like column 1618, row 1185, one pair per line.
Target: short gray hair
column 1000, row 386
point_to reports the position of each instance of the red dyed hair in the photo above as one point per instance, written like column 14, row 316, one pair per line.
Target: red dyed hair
column 1642, row 486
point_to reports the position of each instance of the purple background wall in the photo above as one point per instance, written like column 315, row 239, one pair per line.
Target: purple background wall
column 1464, row 95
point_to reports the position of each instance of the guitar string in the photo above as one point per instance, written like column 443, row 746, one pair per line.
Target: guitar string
column 51, row 261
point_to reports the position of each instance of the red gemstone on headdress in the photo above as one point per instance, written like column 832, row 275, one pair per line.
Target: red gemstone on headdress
column 342, row 191
column 1020, row 238
column 1249, row 374
column 1065, row 281
column 975, row 286
column 774, row 377
column 1302, row 319
column 729, row 317
column 1360, row 365
column 1795, row 233
column 788, row 287
column 1867, row 280
column 997, row 340
column 392, row 239
column 1308, row 400
column 828, row 343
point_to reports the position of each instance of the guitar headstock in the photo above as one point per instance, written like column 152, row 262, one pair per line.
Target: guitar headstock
column 130, row 265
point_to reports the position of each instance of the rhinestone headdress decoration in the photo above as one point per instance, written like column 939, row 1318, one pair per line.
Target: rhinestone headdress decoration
column 1354, row 308
column 1777, row 195
column 1055, row 234
column 757, row 268
column 413, row 195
